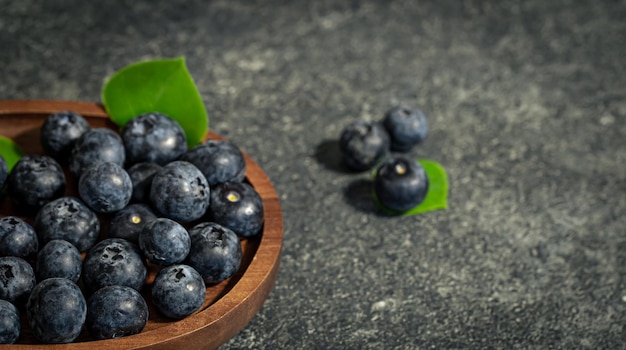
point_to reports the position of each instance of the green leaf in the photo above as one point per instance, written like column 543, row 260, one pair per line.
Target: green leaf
column 437, row 195
column 10, row 151
column 163, row 86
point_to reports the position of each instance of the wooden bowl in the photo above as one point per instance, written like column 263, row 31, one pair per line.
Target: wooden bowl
column 229, row 305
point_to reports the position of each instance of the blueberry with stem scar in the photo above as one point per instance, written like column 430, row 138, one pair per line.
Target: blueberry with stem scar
column 407, row 127
column 400, row 183
column 238, row 206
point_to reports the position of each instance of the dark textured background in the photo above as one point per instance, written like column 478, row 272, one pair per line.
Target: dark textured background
column 527, row 106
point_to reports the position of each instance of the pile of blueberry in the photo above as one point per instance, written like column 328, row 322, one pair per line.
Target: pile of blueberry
column 144, row 198
column 400, row 182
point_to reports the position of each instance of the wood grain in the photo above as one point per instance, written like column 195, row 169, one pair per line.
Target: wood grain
column 229, row 305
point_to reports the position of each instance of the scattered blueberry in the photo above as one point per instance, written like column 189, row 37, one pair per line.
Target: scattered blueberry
column 129, row 221
column 407, row 127
column 363, row 144
column 59, row 258
column 59, row 133
column 17, row 279
column 238, row 206
column 215, row 251
column 219, row 161
column 4, row 172
column 56, row 311
column 69, row 219
column 400, row 183
column 34, row 181
column 17, row 238
column 164, row 242
column 141, row 175
column 10, row 325
column 178, row 291
column 96, row 146
column 154, row 138
column 114, row 261
column 105, row 187
column 116, row 311
column 180, row 192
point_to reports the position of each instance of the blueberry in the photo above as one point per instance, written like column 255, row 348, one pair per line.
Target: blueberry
column 215, row 251
column 116, row 311
column 178, row 291
column 400, row 183
column 96, row 146
column 114, row 261
column 34, row 181
column 129, row 221
column 69, row 219
column 238, row 206
column 407, row 127
column 164, row 242
column 17, row 279
column 59, row 258
column 180, row 192
column 105, row 187
column 363, row 144
column 56, row 311
column 59, row 133
column 219, row 161
column 4, row 172
column 141, row 175
column 17, row 238
column 10, row 325
column 154, row 138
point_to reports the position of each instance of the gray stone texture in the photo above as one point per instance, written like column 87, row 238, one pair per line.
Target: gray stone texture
column 527, row 106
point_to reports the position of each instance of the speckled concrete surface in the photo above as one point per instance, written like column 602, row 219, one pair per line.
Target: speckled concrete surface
column 527, row 106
